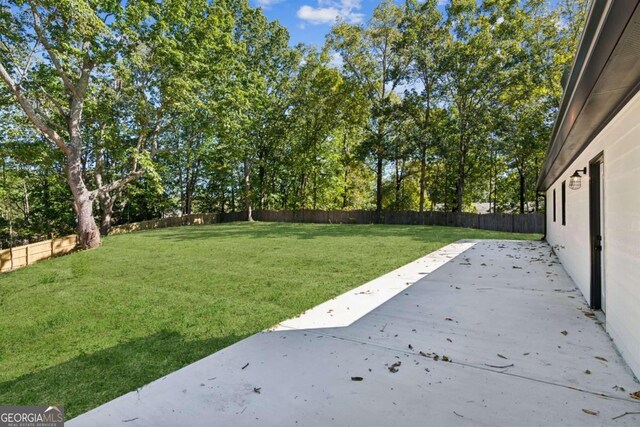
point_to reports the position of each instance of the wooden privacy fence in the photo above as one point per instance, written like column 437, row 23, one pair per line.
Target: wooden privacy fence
column 173, row 221
column 527, row 223
column 21, row 256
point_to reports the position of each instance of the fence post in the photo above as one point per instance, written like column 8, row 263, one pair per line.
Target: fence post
column 26, row 254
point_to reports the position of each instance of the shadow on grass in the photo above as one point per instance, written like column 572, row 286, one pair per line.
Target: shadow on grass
column 90, row 380
column 308, row 231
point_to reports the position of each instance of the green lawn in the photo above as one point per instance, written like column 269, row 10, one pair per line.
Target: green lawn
column 83, row 329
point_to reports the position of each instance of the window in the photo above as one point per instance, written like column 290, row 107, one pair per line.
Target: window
column 554, row 205
column 564, row 202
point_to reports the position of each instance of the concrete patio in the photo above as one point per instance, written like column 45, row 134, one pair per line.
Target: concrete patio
column 499, row 335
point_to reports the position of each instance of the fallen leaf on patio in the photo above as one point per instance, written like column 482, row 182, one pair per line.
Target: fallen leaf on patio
column 356, row 378
column 588, row 372
column 635, row 395
column 410, row 347
column 601, row 358
column 449, row 339
column 257, row 389
column 449, row 319
column 519, row 268
column 422, row 353
column 590, row 412
column 564, row 333
column 618, row 388
column 245, row 365
column 501, row 356
column 436, row 357
column 446, row 359
column 394, row 368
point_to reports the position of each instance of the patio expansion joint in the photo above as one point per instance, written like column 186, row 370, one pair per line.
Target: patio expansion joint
column 475, row 366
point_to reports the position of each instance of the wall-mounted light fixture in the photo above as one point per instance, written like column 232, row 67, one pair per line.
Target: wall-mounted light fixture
column 575, row 181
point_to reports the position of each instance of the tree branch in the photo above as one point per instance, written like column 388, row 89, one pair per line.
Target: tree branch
column 30, row 112
column 121, row 182
column 37, row 25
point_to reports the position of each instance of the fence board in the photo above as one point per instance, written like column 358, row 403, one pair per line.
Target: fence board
column 527, row 223
column 21, row 256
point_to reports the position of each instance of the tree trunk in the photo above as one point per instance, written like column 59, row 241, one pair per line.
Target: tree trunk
column 247, row 189
column 345, row 152
column 233, row 199
column 186, row 205
column 83, row 203
column 423, row 166
column 261, row 183
column 379, row 188
column 315, row 188
column 303, row 191
column 27, row 210
column 46, row 199
column 495, row 188
column 108, row 202
column 460, row 185
column 522, row 190
column 398, row 179
column 345, row 190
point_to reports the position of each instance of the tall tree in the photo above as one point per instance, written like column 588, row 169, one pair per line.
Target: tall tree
column 424, row 36
column 472, row 65
column 373, row 56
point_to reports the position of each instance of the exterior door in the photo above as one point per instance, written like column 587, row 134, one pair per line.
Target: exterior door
column 596, row 220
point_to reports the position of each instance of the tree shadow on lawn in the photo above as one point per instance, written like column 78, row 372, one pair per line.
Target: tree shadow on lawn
column 90, row 380
column 307, row 231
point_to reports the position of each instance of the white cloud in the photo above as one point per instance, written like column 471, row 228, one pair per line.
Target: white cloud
column 336, row 61
column 266, row 4
column 328, row 11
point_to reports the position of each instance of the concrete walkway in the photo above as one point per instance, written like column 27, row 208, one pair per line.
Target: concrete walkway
column 497, row 336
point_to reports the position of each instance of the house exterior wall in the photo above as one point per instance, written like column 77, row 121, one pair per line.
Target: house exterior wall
column 619, row 141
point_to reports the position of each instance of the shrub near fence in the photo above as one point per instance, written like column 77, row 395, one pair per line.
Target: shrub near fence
column 21, row 256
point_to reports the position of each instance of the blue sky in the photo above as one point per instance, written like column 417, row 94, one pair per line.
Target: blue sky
column 308, row 21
